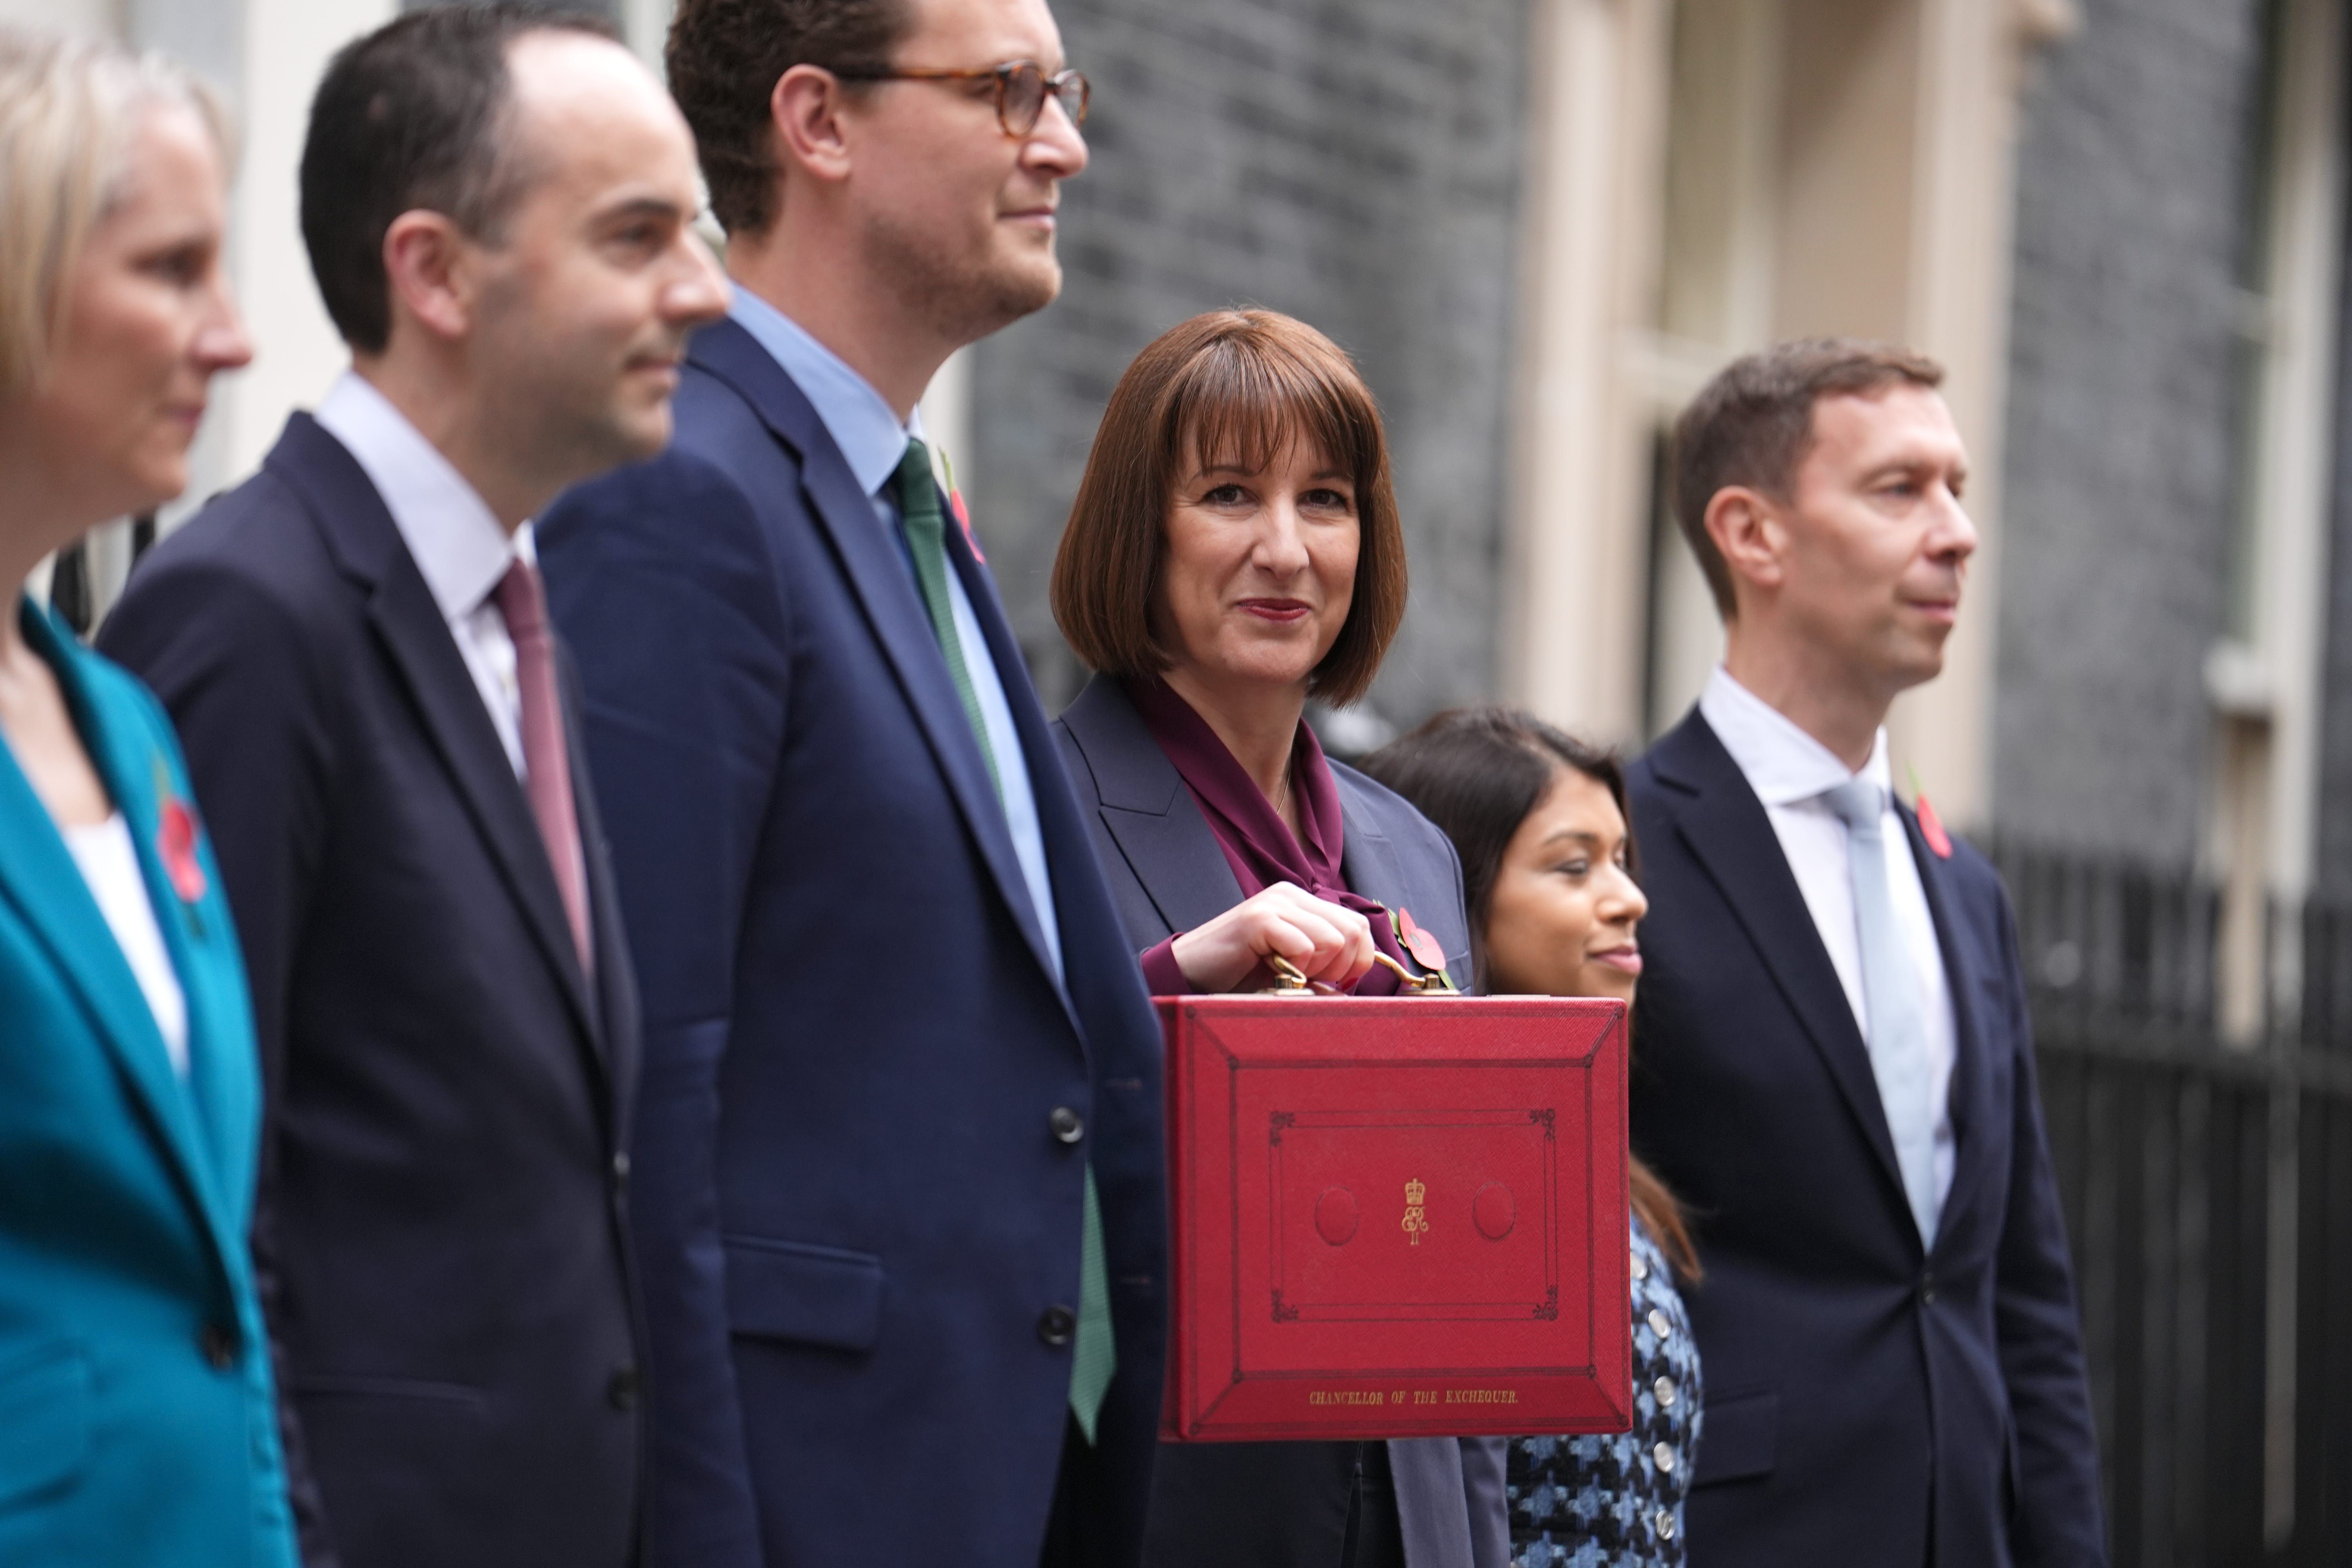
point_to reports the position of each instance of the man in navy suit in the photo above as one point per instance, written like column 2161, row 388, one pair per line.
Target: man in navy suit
column 353, row 647
column 900, row 1195
column 1835, row 1069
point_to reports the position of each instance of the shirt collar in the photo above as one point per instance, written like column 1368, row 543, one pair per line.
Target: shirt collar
column 860, row 422
column 1782, row 764
column 450, row 530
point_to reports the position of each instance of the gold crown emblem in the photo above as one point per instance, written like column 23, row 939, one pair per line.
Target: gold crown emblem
column 1414, row 1192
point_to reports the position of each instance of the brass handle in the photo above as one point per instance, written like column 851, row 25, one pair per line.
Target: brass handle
column 1292, row 978
column 1418, row 985
column 1294, row 981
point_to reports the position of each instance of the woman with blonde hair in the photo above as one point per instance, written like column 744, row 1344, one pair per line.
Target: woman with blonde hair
column 137, row 1420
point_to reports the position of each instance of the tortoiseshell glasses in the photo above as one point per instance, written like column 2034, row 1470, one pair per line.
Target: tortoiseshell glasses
column 1022, row 88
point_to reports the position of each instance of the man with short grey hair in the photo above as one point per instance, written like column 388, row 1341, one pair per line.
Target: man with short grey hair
column 1836, row 1069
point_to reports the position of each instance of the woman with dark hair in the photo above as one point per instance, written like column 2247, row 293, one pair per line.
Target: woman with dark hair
column 1234, row 550
column 1547, row 868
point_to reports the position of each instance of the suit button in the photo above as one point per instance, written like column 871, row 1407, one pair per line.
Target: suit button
column 1068, row 1125
column 1927, row 1289
column 1057, row 1325
column 621, row 1391
column 621, row 1171
column 218, row 1346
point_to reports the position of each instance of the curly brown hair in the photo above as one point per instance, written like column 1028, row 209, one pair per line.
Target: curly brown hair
column 725, row 57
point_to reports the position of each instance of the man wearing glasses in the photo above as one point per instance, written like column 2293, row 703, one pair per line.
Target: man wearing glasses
column 898, row 1172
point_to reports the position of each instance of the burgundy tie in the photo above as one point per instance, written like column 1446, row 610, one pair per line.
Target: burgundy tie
column 547, row 768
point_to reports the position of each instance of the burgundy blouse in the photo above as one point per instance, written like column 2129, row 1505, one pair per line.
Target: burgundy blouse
column 1258, row 845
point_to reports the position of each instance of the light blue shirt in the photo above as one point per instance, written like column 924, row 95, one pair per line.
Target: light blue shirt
column 869, row 434
column 1790, row 772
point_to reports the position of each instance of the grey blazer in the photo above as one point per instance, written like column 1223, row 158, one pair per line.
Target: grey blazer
column 1214, row 1502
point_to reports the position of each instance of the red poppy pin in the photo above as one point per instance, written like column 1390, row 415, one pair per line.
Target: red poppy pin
column 1931, row 827
column 955, row 505
column 175, row 843
column 1416, row 940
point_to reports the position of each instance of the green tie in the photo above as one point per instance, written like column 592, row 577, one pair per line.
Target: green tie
column 927, row 536
column 1093, row 1357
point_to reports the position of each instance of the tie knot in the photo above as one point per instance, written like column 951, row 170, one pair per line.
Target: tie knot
column 1858, row 802
column 521, row 600
column 918, row 491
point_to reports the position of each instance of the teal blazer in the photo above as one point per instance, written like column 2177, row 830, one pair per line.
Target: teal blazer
column 137, row 1422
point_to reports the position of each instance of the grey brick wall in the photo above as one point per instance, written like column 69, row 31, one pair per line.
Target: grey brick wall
column 1354, row 163
column 2121, row 405
column 2332, row 876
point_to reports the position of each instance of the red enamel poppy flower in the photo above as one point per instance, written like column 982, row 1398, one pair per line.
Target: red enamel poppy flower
column 955, row 505
column 1426, row 950
column 1931, row 828
column 175, row 841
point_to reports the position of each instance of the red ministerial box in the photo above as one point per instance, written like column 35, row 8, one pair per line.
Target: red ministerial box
column 1396, row 1217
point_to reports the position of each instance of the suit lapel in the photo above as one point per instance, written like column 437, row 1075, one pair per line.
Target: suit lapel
column 1150, row 815
column 1725, row 828
column 1369, row 863
column 1971, row 1061
column 40, row 877
column 400, row 608
column 1028, row 724
column 886, row 593
column 1372, row 867
column 1040, row 759
column 137, row 778
column 412, row 631
column 615, row 980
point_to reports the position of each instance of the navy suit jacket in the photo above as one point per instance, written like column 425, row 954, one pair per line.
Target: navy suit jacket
column 1275, row 1503
column 1869, row 1401
column 857, row 1219
column 439, row 1237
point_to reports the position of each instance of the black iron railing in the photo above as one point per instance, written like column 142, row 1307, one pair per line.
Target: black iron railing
column 2197, row 1077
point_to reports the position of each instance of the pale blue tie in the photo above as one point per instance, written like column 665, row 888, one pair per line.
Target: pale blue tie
column 1894, row 999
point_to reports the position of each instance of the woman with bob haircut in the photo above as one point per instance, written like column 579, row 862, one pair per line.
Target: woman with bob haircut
column 1549, row 867
column 1235, row 550
column 137, row 1422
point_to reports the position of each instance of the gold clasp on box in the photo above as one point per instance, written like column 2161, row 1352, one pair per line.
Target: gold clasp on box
column 1294, row 980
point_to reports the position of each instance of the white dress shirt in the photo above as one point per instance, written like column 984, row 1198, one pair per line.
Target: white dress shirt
column 871, row 436
column 450, row 532
column 110, row 863
column 1789, row 771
